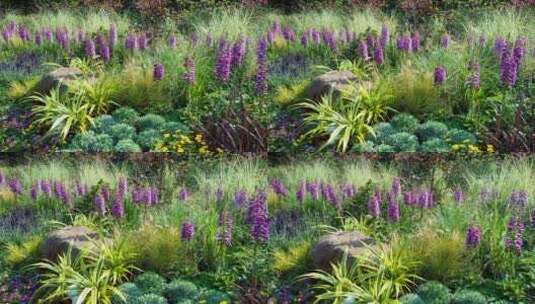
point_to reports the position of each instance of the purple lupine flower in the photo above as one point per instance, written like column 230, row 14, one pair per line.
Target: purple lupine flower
column 409, row 198
column 45, row 187
column 158, row 72
column 238, row 52
column 100, row 205
column 445, row 41
column 518, row 198
column 6, row 35
column 23, row 33
column 439, row 75
column 316, row 37
column 261, row 67
column 378, row 56
column 500, row 46
column 117, row 207
column 313, row 189
column 105, row 193
column 142, row 41
column 122, row 186
column 330, row 195
column 304, row 39
column 105, row 53
column 508, row 69
column 154, row 195
column 393, row 209
column 301, row 191
column 183, row 194
column 130, row 42
column 48, row 34
column 519, row 50
column 278, row 187
column 285, row 295
column 415, row 42
column 458, row 195
column 187, row 231
column 171, row 41
column 221, row 44
column 89, row 47
column 396, row 186
column 404, row 43
column 362, row 50
column 474, row 80
column 348, row 190
column 329, row 40
column 514, row 239
column 288, row 34
column 222, row 67
column 384, row 37
column 374, row 206
column 258, row 218
column 240, row 197
column 112, row 35
column 270, row 37
column 99, row 41
column 473, row 236
column 189, row 74
column 370, row 41
column 424, row 199
column 34, row 191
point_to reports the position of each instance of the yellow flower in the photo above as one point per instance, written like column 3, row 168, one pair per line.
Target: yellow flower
column 198, row 138
column 219, row 150
column 167, row 135
column 456, row 147
column 491, row 149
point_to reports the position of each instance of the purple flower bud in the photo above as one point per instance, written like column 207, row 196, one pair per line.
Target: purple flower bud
column 316, row 37
column 100, row 205
column 130, row 42
column 89, row 47
column 374, row 206
column 238, row 52
column 38, row 38
column 362, row 50
column 518, row 199
column 187, row 231
column 122, row 186
column 224, row 234
column 48, row 34
column 288, row 34
column 458, row 196
column 183, row 195
column 349, row 190
column 473, row 236
column 304, row 39
column 393, row 211
column 385, row 36
column 240, row 197
column 474, row 80
column 142, row 41
column 157, row 72
column 378, row 56
column 279, row 188
column 261, row 68
column 223, row 62
column 500, row 46
column 105, row 193
column 34, row 191
column 171, row 41
column 117, row 207
column 439, row 76
column 46, row 188
column 508, row 69
column 445, row 41
column 258, row 218
column 105, row 53
column 396, row 186
column 409, row 198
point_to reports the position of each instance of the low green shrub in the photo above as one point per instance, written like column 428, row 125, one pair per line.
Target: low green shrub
column 411, row 298
column 457, row 136
column 431, row 129
column 382, row 131
column 435, row 145
column 433, row 292
column 403, row 142
column 130, row 291
column 103, row 124
column 385, row 149
column 404, row 122
column 466, row 296
column 150, row 121
column 150, row 282
column 178, row 290
column 150, row 298
column 122, row 131
column 91, row 142
column 148, row 138
column 127, row 145
column 125, row 115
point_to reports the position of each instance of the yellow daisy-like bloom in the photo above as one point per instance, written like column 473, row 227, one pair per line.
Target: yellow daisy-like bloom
column 474, row 149
column 456, row 147
column 167, row 135
column 198, row 138
column 491, row 149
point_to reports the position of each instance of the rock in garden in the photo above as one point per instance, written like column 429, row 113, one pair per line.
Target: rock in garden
column 330, row 248
column 57, row 242
column 57, row 78
column 333, row 80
